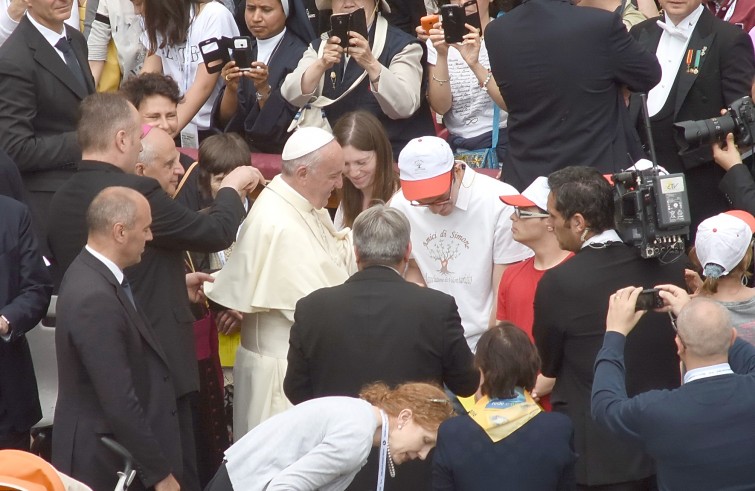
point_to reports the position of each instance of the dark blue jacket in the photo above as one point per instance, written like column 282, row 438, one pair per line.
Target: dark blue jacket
column 538, row 456
column 701, row 435
column 266, row 129
column 25, row 289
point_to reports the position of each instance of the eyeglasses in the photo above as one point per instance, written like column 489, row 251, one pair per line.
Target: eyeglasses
column 676, row 329
column 443, row 200
column 528, row 214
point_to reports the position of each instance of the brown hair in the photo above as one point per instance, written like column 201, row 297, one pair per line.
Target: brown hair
column 710, row 285
column 146, row 85
column 169, row 19
column 364, row 132
column 428, row 402
column 507, row 359
column 101, row 116
column 220, row 154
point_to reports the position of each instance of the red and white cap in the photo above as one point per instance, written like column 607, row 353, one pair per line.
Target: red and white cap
column 536, row 194
column 425, row 166
column 722, row 241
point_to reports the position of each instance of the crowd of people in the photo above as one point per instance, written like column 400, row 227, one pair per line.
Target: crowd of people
column 433, row 276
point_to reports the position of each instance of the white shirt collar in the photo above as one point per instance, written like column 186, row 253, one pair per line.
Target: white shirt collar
column 609, row 235
column 51, row 36
column 266, row 47
column 465, row 189
column 687, row 25
column 107, row 262
column 705, row 372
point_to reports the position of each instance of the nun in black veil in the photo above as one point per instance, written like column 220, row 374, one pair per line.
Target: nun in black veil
column 251, row 104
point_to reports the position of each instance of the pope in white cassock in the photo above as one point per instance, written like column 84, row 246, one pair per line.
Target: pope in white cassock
column 287, row 248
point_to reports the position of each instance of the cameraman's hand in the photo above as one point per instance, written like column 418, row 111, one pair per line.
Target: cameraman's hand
column 674, row 298
column 622, row 316
column 726, row 154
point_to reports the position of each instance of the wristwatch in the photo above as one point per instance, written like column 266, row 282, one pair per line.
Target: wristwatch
column 261, row 96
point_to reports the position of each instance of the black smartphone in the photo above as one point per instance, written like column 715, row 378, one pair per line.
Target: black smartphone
column 453, row 19
column 242, row 52
column 214, row 54
column 339, row 26
column 649, row 299
column 358, row 22
column 472, row 14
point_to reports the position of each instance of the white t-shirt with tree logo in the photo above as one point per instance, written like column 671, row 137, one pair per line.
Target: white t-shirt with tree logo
column 456, row 253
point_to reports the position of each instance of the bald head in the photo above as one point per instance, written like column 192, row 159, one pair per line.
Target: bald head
column 112, row 205
column 118, row 220
column 705, row 328
column 159, row 159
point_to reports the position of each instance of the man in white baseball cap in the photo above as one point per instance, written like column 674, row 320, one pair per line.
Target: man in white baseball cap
column 287, row 248
column 461, row 231
column 516, row 293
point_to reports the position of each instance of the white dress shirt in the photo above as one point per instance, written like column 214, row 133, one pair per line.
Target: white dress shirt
column 107, row 262
column 670, row 53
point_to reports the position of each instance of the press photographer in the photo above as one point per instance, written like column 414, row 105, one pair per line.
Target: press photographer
column 706, row 64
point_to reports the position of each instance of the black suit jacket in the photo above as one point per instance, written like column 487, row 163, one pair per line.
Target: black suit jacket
column 377, row 327
column 10, row 178
column 158, row 280
column 560, row 69
column 571, row 303
column 39, row 100
column 25, row 289
column 725, row 74
column 113, row 380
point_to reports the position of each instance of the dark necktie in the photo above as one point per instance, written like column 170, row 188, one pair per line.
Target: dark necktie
column 64, row 45
column 127, row 288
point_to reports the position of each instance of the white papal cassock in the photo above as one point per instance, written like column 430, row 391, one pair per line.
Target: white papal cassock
column 286, row 249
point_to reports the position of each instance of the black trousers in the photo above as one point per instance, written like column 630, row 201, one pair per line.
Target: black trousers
column 190, row 478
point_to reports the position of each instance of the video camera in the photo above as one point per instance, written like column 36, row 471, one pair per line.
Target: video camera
column 739, row 120
column 651, row 210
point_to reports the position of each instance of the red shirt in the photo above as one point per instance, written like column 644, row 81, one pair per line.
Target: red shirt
column 516, row 299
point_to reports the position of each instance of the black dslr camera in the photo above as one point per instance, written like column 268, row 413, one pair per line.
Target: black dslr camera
column 652, row 212
column 739, row 120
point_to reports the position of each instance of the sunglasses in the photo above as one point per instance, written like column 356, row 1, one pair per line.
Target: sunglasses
column 528, row 214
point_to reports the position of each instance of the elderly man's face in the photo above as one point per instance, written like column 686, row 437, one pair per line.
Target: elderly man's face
column 326, row 176
column 165, row 165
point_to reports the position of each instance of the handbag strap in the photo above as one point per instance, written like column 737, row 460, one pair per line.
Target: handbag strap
column 381, row 29
column 496, row 110
column 496, row 123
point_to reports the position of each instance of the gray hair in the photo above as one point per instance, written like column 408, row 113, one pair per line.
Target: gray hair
column 705, row 327
column 310, row 160
column 114, row 204
column 381, row 235
column 149, row 152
